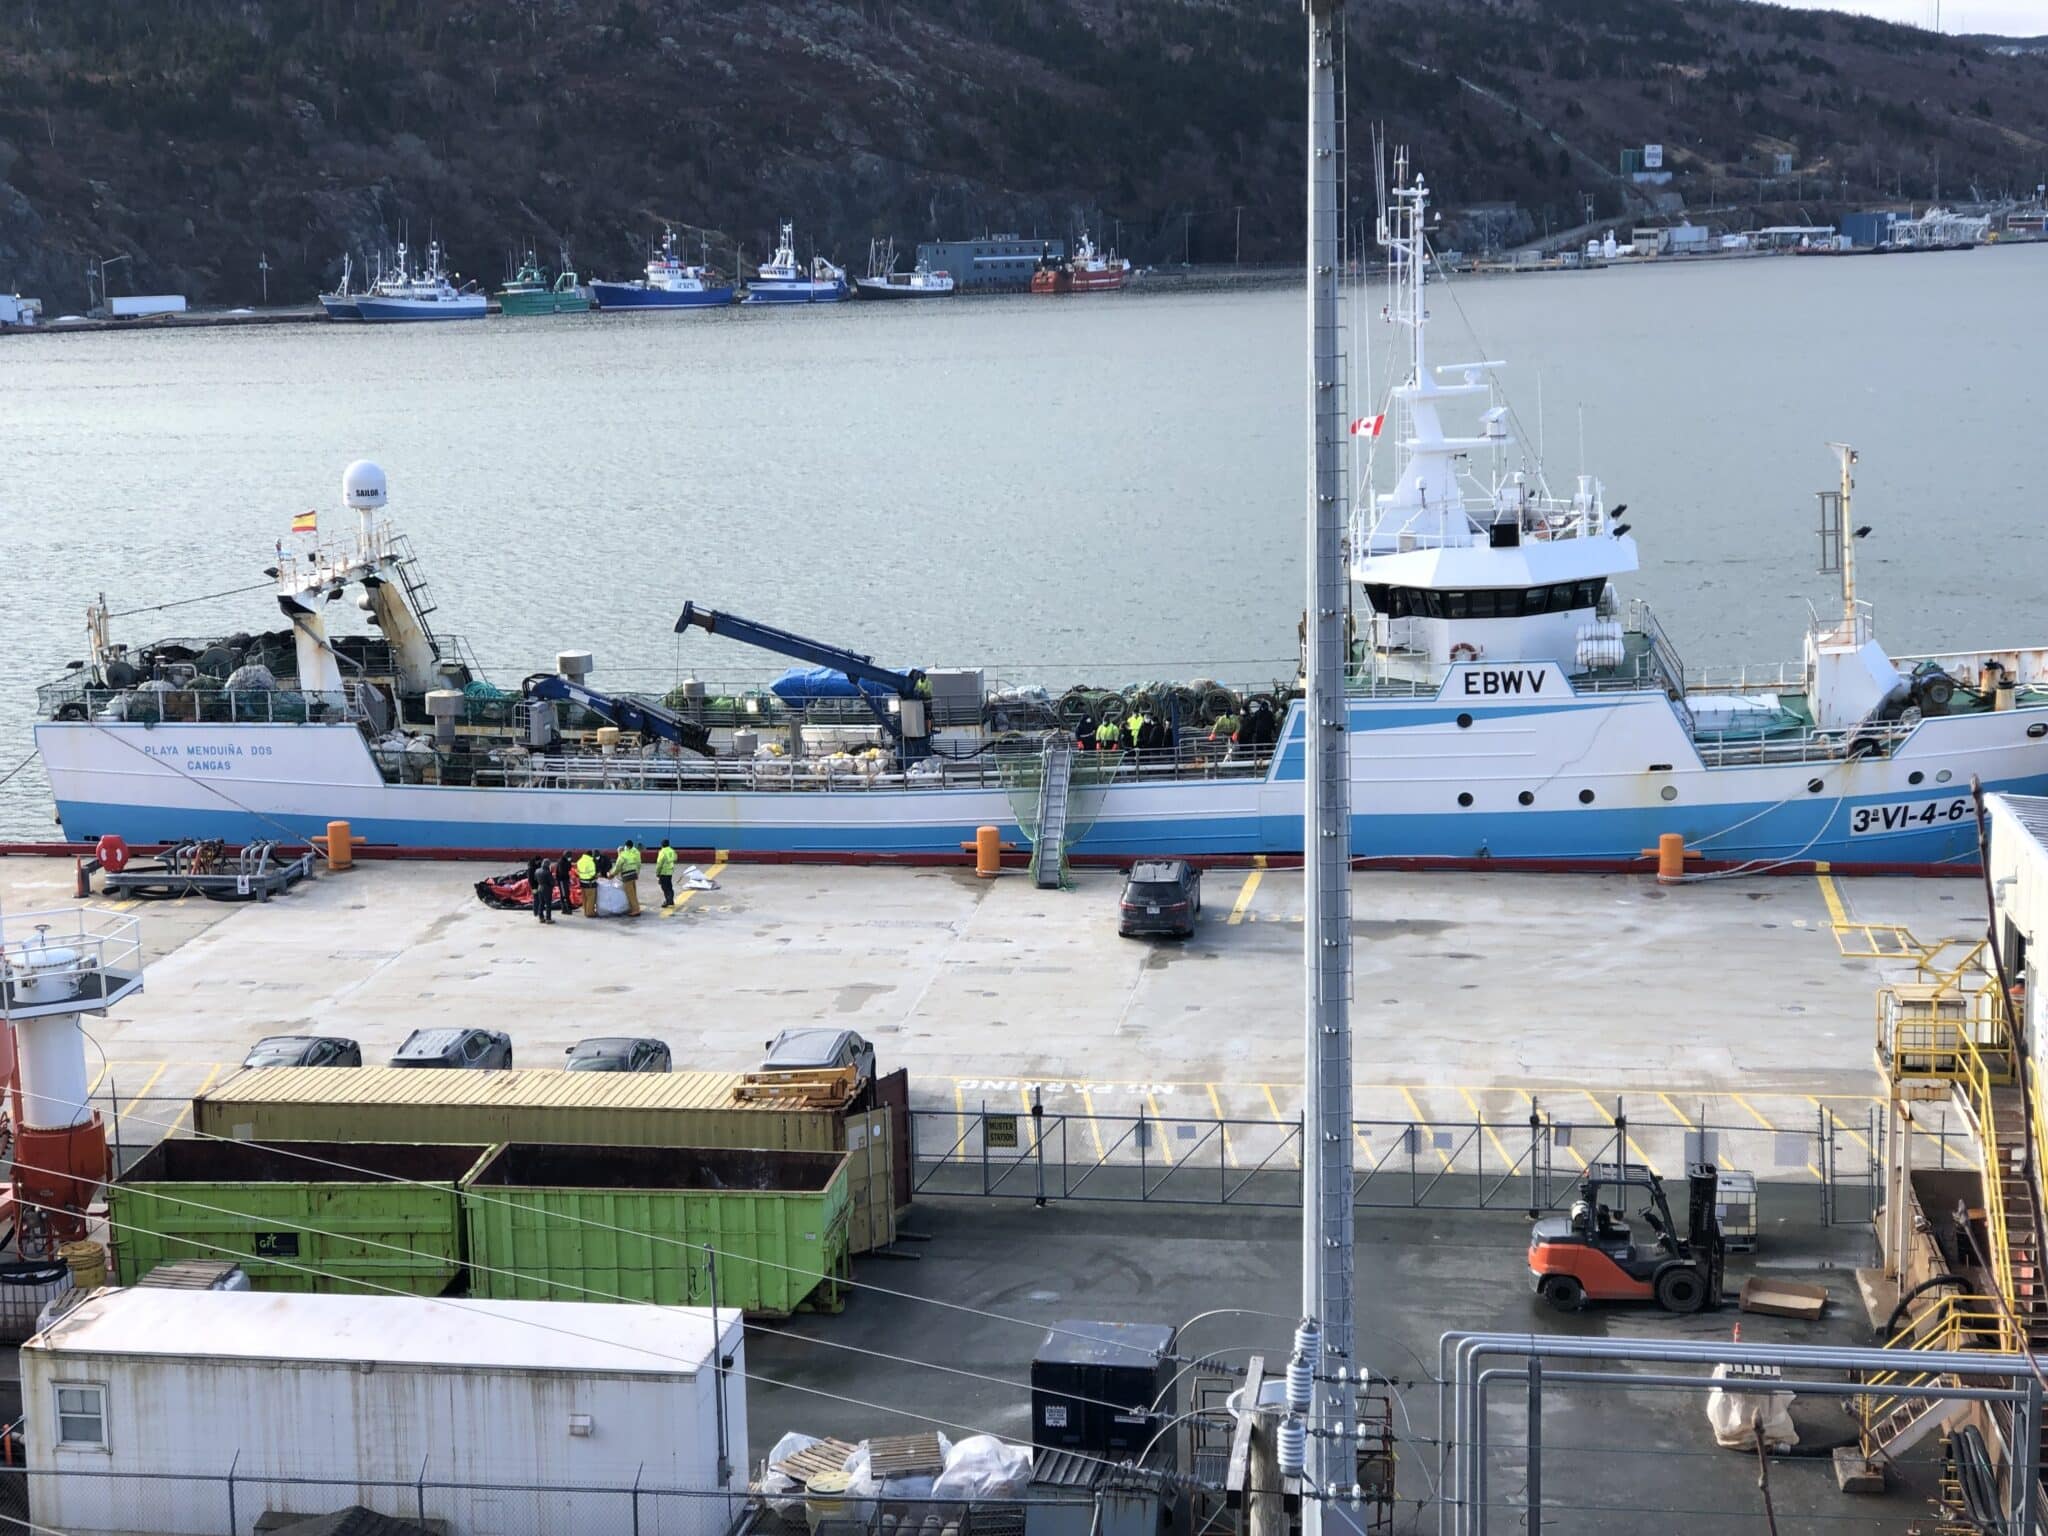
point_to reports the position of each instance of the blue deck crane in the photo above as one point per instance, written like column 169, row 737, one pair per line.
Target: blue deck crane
column 627, row 713
column 906, row 723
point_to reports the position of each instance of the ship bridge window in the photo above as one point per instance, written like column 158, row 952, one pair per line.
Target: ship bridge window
column 1483, row 602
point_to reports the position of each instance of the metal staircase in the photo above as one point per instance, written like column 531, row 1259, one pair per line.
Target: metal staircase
column 418, row 596
column 1055, row 785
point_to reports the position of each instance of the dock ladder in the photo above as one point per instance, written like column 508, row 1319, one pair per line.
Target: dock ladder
column 1049, row 848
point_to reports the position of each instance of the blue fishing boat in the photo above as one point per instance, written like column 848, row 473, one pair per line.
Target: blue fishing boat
column 669, row 284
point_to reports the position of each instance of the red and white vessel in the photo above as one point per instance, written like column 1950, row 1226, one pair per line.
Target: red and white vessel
column 1086, row 271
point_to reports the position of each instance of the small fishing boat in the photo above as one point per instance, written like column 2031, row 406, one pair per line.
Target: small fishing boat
column 342, row 303
column 885, row 282
column 427, row 295
column 783, row 280
column 530, row 293
column 1086, row 271
column 669, row 284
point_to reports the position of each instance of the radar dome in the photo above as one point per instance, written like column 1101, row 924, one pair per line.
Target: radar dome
column 362, row 486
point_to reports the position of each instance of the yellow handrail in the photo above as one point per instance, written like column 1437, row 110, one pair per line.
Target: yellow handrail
column 1953, row 1322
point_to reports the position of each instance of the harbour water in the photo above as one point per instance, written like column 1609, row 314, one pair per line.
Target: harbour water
column 1106, row 488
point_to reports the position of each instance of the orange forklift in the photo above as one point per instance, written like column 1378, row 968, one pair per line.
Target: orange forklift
column 1592, row 1255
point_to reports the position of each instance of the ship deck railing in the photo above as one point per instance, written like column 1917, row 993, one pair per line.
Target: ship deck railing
column 198, row 706
column 994, row 771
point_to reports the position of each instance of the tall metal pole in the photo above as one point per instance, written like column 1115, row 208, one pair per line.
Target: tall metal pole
column 1326, row 1237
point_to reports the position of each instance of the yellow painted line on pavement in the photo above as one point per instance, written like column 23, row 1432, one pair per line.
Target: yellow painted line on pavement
column 1037, row 1125
column 186, row 1108
column 1530, row 1099
column 959, row 1122
column 1216, row 1104
column 1094, row 1129
column 142, row 1093
column 1248, row 890
column 1687, row 1121
column 1760, row 1120
column 1843, row 1126
column 1422, row 1123
column 1837, row 913
column 1279, row 1119
column 1640, row 1155
column 1507, row 1158
column 683, row 899
column 1165, row 1146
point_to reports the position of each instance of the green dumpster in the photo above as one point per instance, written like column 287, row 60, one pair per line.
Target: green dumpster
column 582, row 1223
column 298, row 1216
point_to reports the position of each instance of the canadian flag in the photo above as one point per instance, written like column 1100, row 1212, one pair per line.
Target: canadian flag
column 1368, row 426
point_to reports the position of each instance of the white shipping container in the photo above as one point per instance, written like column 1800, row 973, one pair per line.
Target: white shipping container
column 379, row 1389
column 132, row 304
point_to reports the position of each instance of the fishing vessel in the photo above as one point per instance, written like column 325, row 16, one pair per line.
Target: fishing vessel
column 341, row 303
column 530, row 293
column 784, row 280
column 426, row 295
column 1086, row 271
column 1504, row 708
column 883, row 281
column 669, row 284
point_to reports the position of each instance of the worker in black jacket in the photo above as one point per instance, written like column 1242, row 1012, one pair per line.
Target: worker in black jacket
column 542, row 875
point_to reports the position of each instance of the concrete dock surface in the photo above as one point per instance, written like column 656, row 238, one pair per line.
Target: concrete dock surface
column 1745, row 1005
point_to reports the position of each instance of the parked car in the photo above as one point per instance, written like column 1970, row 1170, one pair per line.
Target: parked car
column 618, row 1053
column 484, row 1049
column 1161, row 896
column 797, row 1050
column 304, row 1051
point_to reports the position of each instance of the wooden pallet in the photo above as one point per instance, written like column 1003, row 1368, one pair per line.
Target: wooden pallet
column 822, row 1088
column 905, row 1456
column 825, row 1456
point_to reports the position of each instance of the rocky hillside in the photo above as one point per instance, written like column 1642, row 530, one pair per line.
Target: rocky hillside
column 197, row 136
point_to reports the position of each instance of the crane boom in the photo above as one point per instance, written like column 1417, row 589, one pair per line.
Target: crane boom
column 627, row 714
column 906, row 725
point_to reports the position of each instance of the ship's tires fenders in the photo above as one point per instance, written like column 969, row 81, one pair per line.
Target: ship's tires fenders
column 121, row 674
column 1563, row 1292
column 112, row 853
column 1681, row 1289
column 71, row 711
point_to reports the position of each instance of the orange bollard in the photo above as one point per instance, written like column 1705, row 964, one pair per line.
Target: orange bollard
column 1670, row 858
column 341, row 850
column 988, row 852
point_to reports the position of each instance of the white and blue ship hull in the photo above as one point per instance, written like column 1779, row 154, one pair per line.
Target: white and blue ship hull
column 1577, row 780
column 799, row 291
column 639, row 296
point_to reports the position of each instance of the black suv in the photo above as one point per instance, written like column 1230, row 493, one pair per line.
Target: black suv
column 1161, row 896
column 618, row 1053
column 487, row 1049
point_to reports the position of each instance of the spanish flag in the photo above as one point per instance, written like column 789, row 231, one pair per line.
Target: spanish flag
column 305, row 522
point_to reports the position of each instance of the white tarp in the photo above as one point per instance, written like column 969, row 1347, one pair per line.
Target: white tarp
column 1733, row 1415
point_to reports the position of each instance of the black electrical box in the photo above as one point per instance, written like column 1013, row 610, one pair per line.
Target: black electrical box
column 1102, row 1388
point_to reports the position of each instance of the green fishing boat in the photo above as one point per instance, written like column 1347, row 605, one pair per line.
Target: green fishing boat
column 530, row 293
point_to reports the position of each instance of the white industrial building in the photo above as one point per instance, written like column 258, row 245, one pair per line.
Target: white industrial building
column 2019, row 885
column 391, row 1390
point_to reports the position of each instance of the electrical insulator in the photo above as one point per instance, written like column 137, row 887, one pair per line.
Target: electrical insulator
column 1301, row 1370
column 1293, row 1447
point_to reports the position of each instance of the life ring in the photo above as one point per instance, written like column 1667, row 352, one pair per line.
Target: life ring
column 112, row 853
column 1464, row 650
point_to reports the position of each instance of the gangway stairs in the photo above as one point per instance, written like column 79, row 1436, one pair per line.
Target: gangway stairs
column 1932, row 1044
column 1055, row 788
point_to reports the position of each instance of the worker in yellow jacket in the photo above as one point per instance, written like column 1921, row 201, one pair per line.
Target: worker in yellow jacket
column 626, row 870
column 665, row 873
column 586, row 872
